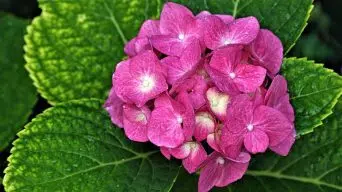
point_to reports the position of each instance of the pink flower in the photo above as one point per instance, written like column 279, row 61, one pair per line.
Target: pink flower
column 192, row 153
column 214, row 139
column 267, row 51
column 178, row 28
column 139, row 79
column 204, row 125
column 254, row 127
column 135, row 122
column 225, row 18
column 171, row 122
column 221, row 171
column 240, row 31
column 230, row 75
column 142, row 41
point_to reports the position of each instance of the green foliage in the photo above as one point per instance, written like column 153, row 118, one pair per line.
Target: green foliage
column 314, row 90
column 287, row 19
column 17, row 94
column 314, row 164
column 75, row 147
column 72, row 48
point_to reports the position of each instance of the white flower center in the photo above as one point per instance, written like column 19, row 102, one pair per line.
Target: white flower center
column 205, row 120
column 250, row 127
column 227, row 41
column 232, row 75
column 147, row 83
column 220, row 160
column 179, row 119
column 141, row 117
column 181, row 36
column 218, row 101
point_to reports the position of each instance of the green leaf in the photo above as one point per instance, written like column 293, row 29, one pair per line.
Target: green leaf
column 314, row 164
column 287, row 19
column 17, row 94
column 314, row 90
column 72, row 48
column 75, row 147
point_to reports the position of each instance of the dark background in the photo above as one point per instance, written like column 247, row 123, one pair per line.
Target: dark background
column 321, row 41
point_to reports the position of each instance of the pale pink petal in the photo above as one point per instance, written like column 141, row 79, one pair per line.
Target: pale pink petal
column 164, row 130
column 203, row 14
column 256, row 141
column 212, row 141
column 267, row 51
column 273, row 123
column 215, row 32
column 182, row 151
column 197, row 156
column 218, row 102
column 210, row 173
column 172, row 18
column 149, row 28
column 166, row 152
column 242, row 31
column 205, row 124
column 248, row 77
column 135, row 122
column 113, row 106
column 130, row 48
column 284, row 147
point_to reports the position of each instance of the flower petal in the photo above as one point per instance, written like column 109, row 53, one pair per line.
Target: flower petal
column 205, row 124
column 273, row 123
column 135, row 122
column 284, row 147
column 197, row 156
column 215, row 32
column 248, row 77
column 149, row 28
column 163, row 128
column 113, row 106
column 171, row 45
column 166, row 152
column 256, row 141
column 187, row 113
column 130, row 48
column 267, row 51
column 182, row 151
column 218, row 102
column 210, row 173
column 242, row 31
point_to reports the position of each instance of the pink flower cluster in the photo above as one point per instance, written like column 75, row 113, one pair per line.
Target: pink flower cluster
column 205, row 78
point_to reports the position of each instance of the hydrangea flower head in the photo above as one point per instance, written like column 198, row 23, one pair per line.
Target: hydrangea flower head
column 208, row 78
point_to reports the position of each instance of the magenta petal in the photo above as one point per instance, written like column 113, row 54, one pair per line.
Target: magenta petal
column 187, row 115
column 172, row 18
column 227, row 19
column 267, row 51
column 284, row 147
column 212, row 142
column 171, row 45
column 149, row 28
column 135, row 122
column 182, row 151
column 256, row 141
column 273, row 123
column 231, row 143
column 166, row 152
column 210, row 173
column 130, row 48
column 232, row 171
column 140, row 80
column 197, row 156
column 164, row 130
column 242, row 31
column 215, row 32
column 113, row 106
column 278, row 98
column 142, row 44
column 205, row 124
column 248, row 77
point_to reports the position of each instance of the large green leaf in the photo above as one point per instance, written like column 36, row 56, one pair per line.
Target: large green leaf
column 314, row 164
column 75, row 147
column 314, row 91
column 286, row 18
column 73, row 46
column 17, row 94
